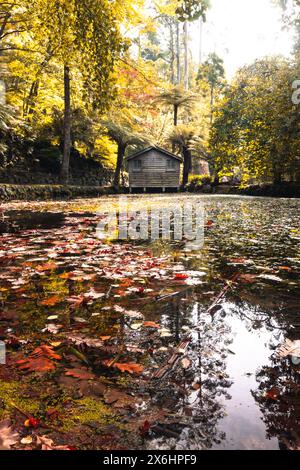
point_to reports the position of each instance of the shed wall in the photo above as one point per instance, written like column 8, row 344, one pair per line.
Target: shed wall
column 154, row 172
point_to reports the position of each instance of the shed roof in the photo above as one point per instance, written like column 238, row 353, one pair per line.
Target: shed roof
column 159, row 149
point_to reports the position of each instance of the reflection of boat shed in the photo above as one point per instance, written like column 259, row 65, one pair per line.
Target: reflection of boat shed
column 154, row 167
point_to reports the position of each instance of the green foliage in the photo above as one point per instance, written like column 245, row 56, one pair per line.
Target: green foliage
column 196, row 182
column 255, row 134
column 191, row 10
column 212, row 71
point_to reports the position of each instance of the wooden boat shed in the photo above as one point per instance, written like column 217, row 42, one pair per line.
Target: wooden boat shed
column 154, row 167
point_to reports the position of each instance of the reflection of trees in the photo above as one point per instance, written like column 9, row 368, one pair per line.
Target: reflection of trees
column 197, row 394
column 278, row 396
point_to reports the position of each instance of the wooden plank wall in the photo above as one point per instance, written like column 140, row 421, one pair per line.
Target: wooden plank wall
column 154, row 172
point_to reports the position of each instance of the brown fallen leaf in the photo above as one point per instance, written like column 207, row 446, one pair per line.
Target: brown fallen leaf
column 118, row 399
column 47, row 351
column 51, row 301
column 289, row 348
column 40, row 360
column 39, row 364
column 247, row 278
column 130, row 367
column 46, row 267
column 48, row 444
column 81, row 374
column 8, row 437
column 151, row 324
column 186, row 363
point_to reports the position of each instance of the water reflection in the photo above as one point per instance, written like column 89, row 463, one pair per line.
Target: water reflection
column 231, row 393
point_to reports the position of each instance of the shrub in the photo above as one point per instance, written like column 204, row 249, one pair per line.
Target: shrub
column 196, row 182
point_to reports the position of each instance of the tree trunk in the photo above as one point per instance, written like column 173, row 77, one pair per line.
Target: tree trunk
column 212, row 98
column 175, row 114
column 186, row 56
column 187, row 163
column 216, row 180
column 277, row 178
column 178, row 54
column 120, row 158
column 172, row 53
column 64, row 174
column 200, row 40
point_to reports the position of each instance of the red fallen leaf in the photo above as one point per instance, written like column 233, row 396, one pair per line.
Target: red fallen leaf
column 48, row 444
column 66, row 275
column 144, row 430
column 78, row 301
column 81, row 374
column 181, row 276
column 39, row 360
column 40, row 364
column 209, row 223
column 285, row 268
column 247, row 278
column 45, row 350
column 51, row 301
column 151, row 324
column 130, row 367
column 105, row 338
column 46, row 267
column 237, row 260
column 272, row 394
column 32, row 422
column 186, row 363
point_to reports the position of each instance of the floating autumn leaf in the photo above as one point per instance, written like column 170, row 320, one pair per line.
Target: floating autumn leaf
column 145, row 428
column 181, row 276
column 238, row 261
column 51, row 301
column 247, row 278
column 186, row 363
column 289, row 348
column 26, row 440
column 285, row 268
column 118, row 399
column 105, row 338
column 39, row 360
column 85, row 341
column 8, row 437
column 209, row 223
column 130, row 367
column 46, row 267
column 48, row 444
column 81, row 374
column 77, row 301
column 151, row 324
column 47, row 351
column 40, row 364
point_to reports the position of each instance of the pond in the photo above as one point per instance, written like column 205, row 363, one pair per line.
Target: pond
column 151, row 343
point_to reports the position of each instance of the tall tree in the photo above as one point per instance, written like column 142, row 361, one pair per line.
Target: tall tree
column 183, row 137
column 75, row 30
column 123, row 134
column 177, row 98
column 188, row 11
column 256, row 129
column 212, row 73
